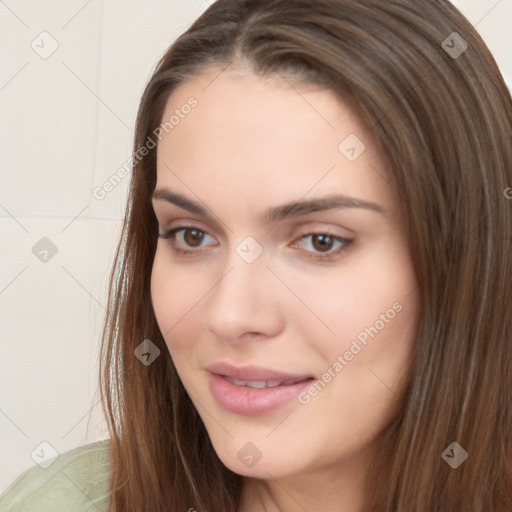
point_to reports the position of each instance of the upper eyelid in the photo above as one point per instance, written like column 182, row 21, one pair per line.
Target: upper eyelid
column 177, row 229
column 221, row 227
column 185, row 224
column 196, row 224
column 164, row 208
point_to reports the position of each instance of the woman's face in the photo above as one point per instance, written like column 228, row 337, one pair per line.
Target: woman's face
column 286, row 292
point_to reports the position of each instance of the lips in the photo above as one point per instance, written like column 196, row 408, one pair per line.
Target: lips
column 252, row 373
column 260, row 384
column 253, row 390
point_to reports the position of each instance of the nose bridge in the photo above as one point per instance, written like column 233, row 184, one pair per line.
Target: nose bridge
column 243, row 284
column 243, row 300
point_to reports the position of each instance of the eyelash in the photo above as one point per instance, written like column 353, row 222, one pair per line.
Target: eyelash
column 346, row 243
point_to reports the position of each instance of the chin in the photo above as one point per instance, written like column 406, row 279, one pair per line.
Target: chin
column 255, row 460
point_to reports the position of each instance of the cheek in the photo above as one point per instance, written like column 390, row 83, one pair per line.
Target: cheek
column 371, row 293
column 373, row 311
column 378, row 329
column 367, row 364
column 175, row 295
column 162, row 295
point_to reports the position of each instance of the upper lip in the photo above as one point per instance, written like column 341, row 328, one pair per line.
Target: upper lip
column 254, row 373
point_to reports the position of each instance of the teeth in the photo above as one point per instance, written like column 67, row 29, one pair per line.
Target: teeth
column 260, row 384
column 256, row 384
column 289, row 382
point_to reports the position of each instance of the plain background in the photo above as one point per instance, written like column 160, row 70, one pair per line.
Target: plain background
column 66, row 125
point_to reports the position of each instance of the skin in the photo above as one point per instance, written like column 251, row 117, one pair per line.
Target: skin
column 252, row 144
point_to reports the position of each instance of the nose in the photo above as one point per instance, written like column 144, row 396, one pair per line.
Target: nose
column 244, row 305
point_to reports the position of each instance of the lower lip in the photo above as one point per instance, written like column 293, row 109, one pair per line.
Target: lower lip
column 250, row 401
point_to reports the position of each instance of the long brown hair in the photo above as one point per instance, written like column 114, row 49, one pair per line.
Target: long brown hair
column 424, row 82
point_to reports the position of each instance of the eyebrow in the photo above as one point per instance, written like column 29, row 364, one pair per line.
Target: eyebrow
column 278, row 213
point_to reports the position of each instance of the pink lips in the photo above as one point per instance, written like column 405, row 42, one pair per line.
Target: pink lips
column 250, row 401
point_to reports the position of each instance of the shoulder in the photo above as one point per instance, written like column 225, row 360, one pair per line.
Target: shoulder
column 77, row 480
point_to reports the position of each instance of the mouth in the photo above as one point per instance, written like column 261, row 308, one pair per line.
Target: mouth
column 262, row 384
column 256, row 374
column 254, row 390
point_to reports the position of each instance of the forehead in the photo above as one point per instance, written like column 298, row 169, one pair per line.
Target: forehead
column 271, row 110
column 266, row 136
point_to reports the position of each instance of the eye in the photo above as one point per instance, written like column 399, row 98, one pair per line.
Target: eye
column 324, row 245
column 187, row 239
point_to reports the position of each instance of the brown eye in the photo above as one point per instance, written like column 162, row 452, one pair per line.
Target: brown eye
column 323, row 246
column 193, row 237
column 322, row 243
column 187, row 240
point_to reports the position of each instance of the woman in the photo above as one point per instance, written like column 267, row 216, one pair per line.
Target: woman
column 310, row 308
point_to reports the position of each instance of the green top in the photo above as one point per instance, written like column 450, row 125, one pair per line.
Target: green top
column 77, row 481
